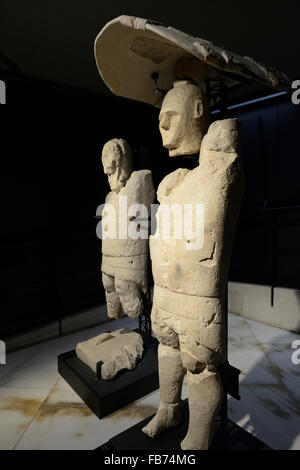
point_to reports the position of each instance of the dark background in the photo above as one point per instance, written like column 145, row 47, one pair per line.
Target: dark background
column 53, row 132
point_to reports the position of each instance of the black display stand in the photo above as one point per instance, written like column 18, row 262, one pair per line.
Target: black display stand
column 104, row 397
column 229, row 437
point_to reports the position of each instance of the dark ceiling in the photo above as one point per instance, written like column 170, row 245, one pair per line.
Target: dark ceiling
column 53, row 39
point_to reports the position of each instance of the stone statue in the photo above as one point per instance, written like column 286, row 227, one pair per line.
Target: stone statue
column 124, row 260
column 188, row 314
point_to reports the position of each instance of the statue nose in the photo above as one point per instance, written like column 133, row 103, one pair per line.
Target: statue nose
column 164, row 123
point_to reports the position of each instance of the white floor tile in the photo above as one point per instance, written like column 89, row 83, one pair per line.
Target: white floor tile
column 269, row 386
column 265, row 412
column 270, row 334
column 17, row 409
column 238, row 327
column 76, row 427
column 63, row 395
column 244, row 354
column 34, row 367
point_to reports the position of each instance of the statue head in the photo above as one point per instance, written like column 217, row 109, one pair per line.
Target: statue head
column 117, row 163
column 184, row 118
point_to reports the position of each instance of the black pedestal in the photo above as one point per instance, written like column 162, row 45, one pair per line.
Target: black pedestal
column 231, row 438
column 104, row 397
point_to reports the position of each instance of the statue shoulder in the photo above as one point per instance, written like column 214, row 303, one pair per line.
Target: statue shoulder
column 220, row 154
column 170, row 182
column 109, row 197
column 224, row 136
column 140, row 186
column 141, row 177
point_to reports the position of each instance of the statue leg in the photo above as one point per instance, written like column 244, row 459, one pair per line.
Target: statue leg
column 205, row 397
column 205, row 392
column 114, row 307
column 130, row 296
column 171, row 374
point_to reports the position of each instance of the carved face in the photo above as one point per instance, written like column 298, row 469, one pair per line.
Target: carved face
column 111, row 160
column 117, row 163
column 172, row 122
column 180, row 122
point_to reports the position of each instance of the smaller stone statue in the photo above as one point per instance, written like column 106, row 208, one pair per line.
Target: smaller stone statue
column 124, row 259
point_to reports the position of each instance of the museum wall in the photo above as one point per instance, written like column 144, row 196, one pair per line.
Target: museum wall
column 267, row 247
column 266, row 255
column 52, row 182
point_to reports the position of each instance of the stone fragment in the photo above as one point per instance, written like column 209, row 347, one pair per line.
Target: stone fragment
column 128, row 50
column 118, row 350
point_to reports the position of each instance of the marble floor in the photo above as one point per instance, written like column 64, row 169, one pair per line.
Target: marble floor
column 38, row 409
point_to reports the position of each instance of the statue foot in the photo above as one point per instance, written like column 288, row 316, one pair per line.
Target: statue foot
column 192, row 444
column 168, row 415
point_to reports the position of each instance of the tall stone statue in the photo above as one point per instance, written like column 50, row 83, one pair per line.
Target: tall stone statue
column 188, row 315
column 124, row 259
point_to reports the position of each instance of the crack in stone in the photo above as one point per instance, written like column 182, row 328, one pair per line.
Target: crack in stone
column 209, row 258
